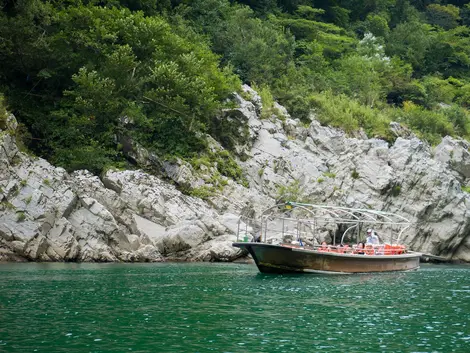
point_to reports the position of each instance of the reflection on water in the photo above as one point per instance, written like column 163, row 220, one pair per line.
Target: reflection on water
column 229, row 308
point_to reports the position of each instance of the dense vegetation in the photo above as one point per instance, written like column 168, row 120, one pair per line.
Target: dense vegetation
column 73, row 71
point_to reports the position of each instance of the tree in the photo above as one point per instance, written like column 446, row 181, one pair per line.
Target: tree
column 446, row 17
column 410, row 41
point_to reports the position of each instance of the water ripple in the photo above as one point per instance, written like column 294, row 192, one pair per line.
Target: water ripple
column 229, row 308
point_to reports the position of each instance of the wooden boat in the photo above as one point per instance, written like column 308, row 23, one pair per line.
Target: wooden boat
column 298, row 257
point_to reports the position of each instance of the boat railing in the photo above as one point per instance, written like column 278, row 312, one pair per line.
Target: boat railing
column 369, row 249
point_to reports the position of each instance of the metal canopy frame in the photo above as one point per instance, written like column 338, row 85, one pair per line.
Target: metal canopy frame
column 336, row 214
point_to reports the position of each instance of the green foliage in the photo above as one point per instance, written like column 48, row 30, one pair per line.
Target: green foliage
column 267, row 100
column 28, row 199
column 294, row 89
column 446, row 16
column 438, row 91
column 20, row 216
column 350, row 115
column 92, row 157
column 23, row 182
column 201, row 161
column 459, row 118
column 258, row 50
column 351, row 80
column 73, row 71
column 227, row 165
column 465, row 15
column 377, row 25
column 395, row 190
column 430, row 125
column 354, row 174
column 223, row 163
column 104, row 63
column 466, row 188
column 46, row 182
column 291, row 192
column 3, row 113
column 7, row 205
column 411, row 41
column 329, row 175
column 203, row 192
column 333, row 39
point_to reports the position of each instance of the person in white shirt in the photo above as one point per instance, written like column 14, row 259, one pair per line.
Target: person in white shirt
column 371, row 237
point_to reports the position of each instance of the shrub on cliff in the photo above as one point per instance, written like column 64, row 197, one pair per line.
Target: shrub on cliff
column 3, row 113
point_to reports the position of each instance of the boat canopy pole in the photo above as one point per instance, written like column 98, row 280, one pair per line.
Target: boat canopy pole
column 238, row 227
column 401, row 232
column 347, row 230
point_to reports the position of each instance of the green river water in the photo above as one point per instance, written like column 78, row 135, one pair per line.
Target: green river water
column 200, row 307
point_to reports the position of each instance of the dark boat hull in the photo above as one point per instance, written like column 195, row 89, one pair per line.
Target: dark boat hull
column 283, row 259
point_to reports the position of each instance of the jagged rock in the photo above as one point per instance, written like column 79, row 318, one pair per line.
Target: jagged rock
column 181, row 238
column 219, row 249
column 18, row 247
column 63, row 244
column 12, row 124
column 148, row 253
column 455, row 154
column 150, row 232
column 181, row 173
column 35, row 249
column 6, row 233
column 8, row 253
column 401, row 131
column 8, row 151
column 254, row 98
column 231, row 222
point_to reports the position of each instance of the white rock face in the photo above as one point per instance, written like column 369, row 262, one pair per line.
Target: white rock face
column 47, row 214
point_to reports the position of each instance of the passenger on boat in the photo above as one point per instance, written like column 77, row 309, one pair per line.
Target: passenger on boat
column 372, row 238
column 323, row 247
column 369, row 249
column 359, row 249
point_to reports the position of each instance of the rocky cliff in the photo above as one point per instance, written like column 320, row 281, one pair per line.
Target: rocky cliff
column 47, row 214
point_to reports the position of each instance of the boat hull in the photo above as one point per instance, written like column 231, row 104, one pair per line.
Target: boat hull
column 283, row 259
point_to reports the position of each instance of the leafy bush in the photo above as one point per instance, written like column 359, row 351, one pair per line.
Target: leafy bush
column 430, row 125
column 20, row 216
column 202, row 192
column 3, row 113
column 350, row 115
column 290, row 192
column 329, row 175
column 395, row 190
